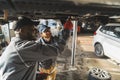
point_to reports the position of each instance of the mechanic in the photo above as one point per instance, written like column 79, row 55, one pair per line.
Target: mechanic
column 20, row 58
column 49, row 66
column 68, row 28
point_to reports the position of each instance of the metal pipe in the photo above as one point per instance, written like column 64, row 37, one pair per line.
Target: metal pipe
column 74, row 43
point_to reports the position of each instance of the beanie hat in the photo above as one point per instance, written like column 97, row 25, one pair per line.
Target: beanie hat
column 42, row 28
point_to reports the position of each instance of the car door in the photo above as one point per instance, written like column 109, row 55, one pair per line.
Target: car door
column 112, row 43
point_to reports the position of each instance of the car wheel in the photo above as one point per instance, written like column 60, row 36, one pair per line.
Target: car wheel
column 99, row 50
column 98, row 74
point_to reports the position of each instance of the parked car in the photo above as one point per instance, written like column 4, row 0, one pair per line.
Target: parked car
column 107, row 41
column 55, row 25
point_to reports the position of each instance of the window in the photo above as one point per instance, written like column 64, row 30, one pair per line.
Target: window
column 111, row 31
column 117, row 31
column 105, row 29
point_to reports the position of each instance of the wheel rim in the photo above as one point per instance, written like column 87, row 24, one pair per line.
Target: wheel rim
column 100, row 74
column 98, row 50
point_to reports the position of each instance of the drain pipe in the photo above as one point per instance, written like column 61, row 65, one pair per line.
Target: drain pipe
column 74, row 38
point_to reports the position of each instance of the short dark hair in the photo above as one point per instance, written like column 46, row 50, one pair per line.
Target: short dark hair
column 24, row 21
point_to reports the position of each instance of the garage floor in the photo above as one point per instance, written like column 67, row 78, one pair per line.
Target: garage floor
column 85, row 60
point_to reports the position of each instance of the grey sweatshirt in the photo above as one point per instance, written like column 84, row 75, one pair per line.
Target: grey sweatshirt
column 18, row 61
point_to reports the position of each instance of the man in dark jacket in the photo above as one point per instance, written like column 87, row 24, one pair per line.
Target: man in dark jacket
column 19, row 60
column 48, row 67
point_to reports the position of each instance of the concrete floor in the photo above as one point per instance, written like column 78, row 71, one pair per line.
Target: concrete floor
column 85, row 60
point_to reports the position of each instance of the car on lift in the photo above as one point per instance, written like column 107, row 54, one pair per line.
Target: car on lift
column 107, row 41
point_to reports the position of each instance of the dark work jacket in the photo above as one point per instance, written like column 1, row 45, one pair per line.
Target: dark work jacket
column 18, row 61
column 55, row 43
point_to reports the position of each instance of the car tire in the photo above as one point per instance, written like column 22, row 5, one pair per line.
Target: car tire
column 99, row 50
column 98, row 74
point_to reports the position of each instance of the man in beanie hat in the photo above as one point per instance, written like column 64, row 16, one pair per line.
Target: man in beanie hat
column 48, row 67
column 18, row 61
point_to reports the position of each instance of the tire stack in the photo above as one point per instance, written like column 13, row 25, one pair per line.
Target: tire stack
column 98, row 74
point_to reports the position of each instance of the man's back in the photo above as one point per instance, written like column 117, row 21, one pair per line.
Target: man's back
column 17, row 61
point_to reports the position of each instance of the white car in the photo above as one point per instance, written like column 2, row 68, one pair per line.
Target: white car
column 107, row 41
column 55, row 25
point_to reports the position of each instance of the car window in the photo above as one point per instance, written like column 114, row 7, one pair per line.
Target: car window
column 104, row 29
column 107, row 30
column 111, row 30
column 117, row 31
